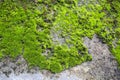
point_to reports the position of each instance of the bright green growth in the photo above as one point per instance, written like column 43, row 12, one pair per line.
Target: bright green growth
column 26, row 29
column 116, row 52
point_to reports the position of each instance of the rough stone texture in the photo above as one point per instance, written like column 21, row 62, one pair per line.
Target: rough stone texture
column 8, row 66
column 102, row 67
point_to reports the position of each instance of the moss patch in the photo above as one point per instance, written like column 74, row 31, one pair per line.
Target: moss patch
column 25, row 29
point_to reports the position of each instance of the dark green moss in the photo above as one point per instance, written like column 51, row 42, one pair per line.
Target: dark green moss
column 55, row 67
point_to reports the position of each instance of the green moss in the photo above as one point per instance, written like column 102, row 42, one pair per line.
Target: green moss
column 1, row 55
column 25, row 29
column 116, row 52
column 55, row 67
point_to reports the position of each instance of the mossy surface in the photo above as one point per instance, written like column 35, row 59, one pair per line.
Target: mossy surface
column 28, row 29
